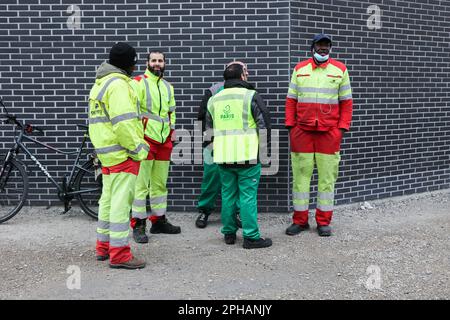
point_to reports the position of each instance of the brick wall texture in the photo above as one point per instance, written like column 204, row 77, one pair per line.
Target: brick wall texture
column 399, row 142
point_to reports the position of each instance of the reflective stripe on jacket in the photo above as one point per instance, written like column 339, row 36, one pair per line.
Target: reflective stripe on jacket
column 114, row 126
column 319, row 96
column 235, row 129
column 157, row 106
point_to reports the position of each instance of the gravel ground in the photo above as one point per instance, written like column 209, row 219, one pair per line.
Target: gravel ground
column 399, row 249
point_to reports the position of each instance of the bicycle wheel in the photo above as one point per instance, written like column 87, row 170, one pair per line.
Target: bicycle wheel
column 89, row 180
column 13, row 188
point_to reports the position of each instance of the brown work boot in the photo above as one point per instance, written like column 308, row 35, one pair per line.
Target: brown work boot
column 134, row 263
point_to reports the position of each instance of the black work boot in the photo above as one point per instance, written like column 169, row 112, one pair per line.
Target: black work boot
column 238, row 220
column 202, row 219
column 102, row 258
column 230, row 238
column 256, row 244
column 139, row 231
column 294, row 229
column 324, row 231
column 164, row 226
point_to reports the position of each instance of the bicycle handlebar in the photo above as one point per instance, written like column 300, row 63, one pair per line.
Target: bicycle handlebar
column 12, row 119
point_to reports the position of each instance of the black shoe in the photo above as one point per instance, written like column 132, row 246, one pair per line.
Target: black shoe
column 102, row 258
column 202, row 220
column 164, row 226
column 255, row 244
column 230, row 238
column 294, row 229
column 139, row 231
column 238, row 220
column 324, row 231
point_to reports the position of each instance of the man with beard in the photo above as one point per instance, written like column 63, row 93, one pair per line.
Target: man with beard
column 157, row 111
column 318, row 113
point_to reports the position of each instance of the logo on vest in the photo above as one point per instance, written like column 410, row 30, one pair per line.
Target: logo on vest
column 226, row 113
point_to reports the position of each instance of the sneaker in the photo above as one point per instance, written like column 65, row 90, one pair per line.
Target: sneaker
column 139, row 231
column 202, row 220
column 294, row 229
column 102, row 258
column 238, row 220
column 134, row 263
column 164, row 226
column 256, row 244
column 230, row 238
column 324, row 231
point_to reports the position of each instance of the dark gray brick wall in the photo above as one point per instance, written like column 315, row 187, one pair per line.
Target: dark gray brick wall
column 400, row 137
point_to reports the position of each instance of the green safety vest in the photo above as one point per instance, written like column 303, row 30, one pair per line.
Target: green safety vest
column 235, row 133
column 114, row 126
column 157, row 105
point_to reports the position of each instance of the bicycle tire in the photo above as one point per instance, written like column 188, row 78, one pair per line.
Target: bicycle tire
column 16, row 176
column 86, row 178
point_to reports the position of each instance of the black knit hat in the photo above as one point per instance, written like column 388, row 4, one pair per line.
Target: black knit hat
column 122, row 55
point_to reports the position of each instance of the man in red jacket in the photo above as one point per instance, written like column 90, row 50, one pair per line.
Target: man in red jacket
column 318, row 112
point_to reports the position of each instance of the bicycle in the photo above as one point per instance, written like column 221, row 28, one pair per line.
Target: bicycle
column 85, row 185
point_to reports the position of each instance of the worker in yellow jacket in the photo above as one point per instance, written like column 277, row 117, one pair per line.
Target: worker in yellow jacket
column 319, row 108
column 157, row 111
column 118, row 138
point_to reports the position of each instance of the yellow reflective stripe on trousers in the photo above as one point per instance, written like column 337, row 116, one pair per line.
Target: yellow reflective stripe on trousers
column 301, row 201
column 119, row 239
column 103, row 224
column 325, row 201
column 102, row 237
column 159, row 211
column 158, row 200
column 119, row 227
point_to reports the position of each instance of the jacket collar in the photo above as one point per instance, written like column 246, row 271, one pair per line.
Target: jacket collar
column 150, row 75
column 237, row 83
column 322, row 65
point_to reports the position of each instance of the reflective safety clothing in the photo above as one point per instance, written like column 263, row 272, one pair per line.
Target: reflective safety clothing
column 322, row 149
column 232, row 116
column 151, row 182
column 114, row 127
column 318, row 105
column 157, row 106
column 211, row 181
column 118, row 138
column 235, row 133
column 114, row 211
column 319, row 96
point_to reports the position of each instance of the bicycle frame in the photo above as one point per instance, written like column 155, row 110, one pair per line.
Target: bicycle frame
column 19, row 145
